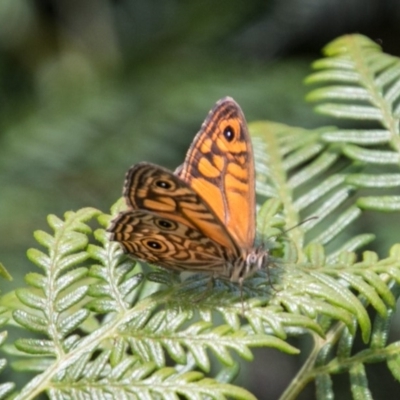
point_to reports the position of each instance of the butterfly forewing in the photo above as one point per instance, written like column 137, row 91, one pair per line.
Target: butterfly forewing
column 220, row 166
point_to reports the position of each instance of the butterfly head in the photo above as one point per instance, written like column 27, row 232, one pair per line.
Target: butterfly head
column 249, row 263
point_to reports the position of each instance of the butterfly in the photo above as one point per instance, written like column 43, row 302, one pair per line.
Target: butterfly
column 202, row 217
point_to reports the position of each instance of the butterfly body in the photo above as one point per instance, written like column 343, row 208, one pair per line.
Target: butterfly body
column 202, row 217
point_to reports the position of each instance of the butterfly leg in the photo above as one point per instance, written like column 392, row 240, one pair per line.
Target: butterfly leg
column 241, row 280
column 207, row 291
column 269, row 278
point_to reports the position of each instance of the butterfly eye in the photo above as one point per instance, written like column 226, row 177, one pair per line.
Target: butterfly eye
column 162, row 223
column 163, row 184
column 229, row 133
column 154, row 245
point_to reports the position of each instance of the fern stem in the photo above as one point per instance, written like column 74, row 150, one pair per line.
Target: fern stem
column 308, row 370
column 303, row 376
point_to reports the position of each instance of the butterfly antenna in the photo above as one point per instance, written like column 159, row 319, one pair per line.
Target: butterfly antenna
column 297, row 225
column 289, row 229
column 269, row 277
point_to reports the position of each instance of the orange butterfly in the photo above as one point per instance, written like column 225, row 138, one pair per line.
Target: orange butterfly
column 202, row 218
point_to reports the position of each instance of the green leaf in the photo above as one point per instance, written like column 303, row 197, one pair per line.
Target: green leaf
column 382, row 203
column 35, row 346
column 6, row 275
column 359, row 382
column 393, row 363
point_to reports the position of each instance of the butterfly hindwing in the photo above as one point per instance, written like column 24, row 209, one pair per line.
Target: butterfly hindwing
column 167, row 242
column 150, row 187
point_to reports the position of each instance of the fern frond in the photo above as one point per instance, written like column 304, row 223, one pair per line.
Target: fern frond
column 164, row 331
column 53, row 305
column 318, row 172
column 115, row 287
column 134, row 380
column 382, row 295
column 321, row 176
column 366, row 87
column 309, row 179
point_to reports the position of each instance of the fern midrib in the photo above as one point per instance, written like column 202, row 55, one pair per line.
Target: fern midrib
column 111, row 266
column 51, row 312
column 284, row 191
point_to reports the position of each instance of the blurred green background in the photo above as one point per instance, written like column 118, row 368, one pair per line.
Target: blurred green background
column 88, row 88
